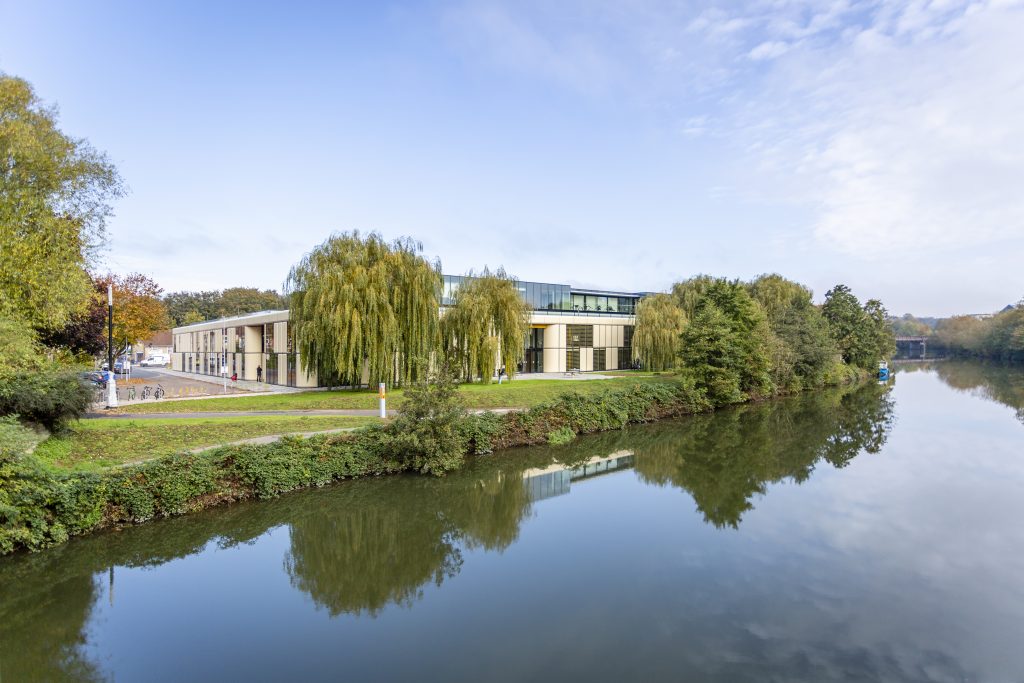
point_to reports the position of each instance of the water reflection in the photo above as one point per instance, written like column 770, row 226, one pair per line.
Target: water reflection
column 359, row 547
column 992, row 381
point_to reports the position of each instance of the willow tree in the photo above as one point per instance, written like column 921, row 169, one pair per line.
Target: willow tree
column 362, row 303
column 488, row 319
column 659, row 322
column 688, row 293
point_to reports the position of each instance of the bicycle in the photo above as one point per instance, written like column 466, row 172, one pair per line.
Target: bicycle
column 146, row 391
column 131, row 393
column 158, row 394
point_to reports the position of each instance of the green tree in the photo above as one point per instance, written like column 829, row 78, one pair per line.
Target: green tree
column 861, row 333
column 33, row 386
column 488, row 321
column 659, row 322
column 909, row 326
column 359, row 303
column 801, row 348
column 427, row 430
column 689, row 293
column 240, row 300
column 777, row 295
column 55, row 194
column 184, row 308
column 85, row 332
column 726, row 345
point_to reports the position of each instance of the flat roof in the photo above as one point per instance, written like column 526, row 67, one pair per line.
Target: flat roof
column 247, row 318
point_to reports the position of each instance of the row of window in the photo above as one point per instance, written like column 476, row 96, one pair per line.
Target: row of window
column 543, row 296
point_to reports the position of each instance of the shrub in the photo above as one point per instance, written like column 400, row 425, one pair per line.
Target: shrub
column 426, row 434
column 51, row 396
column 560, row 436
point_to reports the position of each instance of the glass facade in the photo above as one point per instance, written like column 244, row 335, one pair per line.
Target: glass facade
column 543, row 296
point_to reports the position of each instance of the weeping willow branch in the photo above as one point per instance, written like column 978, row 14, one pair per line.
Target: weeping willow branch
column 364, row 303
column 488, row 320
column 659, row 322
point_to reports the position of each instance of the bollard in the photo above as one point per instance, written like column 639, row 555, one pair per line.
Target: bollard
column 383, row 409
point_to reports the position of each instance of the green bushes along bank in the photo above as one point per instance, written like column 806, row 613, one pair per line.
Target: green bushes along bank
column 40, row 507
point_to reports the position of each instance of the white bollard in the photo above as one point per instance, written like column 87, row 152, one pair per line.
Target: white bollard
column 111, row 392
column 383, row 408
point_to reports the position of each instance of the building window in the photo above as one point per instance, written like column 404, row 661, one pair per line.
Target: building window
column 627, row 335
column 572, row 359
column 579, row 335
column 599, row 362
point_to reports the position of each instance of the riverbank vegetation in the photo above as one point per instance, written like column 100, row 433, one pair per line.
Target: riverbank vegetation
column 432, row 433
column 739, row 341
column 1000, row 337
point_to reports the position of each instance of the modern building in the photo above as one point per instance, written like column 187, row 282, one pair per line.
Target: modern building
column 570, row 329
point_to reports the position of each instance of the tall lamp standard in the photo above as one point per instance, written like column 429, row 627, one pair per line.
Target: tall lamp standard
column 111, row 382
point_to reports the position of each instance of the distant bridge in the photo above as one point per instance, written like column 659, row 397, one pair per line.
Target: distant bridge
column 911, row 347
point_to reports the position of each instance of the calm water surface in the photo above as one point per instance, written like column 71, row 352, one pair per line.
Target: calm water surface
column 875, row 534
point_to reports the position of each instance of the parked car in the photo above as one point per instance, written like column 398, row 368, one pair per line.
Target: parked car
column 154, row 361
column 121, row 366
column 95, row 377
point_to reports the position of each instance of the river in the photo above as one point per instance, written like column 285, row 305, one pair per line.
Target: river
column 874, row 534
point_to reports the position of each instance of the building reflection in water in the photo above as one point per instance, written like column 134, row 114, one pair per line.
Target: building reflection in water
column 554, row 480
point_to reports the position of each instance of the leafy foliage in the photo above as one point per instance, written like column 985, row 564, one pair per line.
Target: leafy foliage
column 427, row 430
column 138, row 309
column 1000, row 337
column 800, row 346
column 32, row 385
column 488, row 320
column 54, row 201
column 360, row 303
column 659, row 322
column 862, row 334
column 185, row 308
column 725, row 348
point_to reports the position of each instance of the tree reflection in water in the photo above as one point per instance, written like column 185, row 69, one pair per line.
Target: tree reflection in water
column 724, row 459
column 998, row 382
column 360, row 546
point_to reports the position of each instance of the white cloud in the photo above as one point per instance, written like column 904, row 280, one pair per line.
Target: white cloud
column 769, row 49
column 907, row 135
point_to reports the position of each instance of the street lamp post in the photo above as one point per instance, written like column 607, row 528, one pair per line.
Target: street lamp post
column 111, row 382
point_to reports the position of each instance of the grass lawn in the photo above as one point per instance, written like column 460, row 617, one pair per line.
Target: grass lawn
column 514, row 394
column 92, row 445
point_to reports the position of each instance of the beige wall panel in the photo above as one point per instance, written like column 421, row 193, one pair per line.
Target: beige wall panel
column 554, row 360
column 586, row 359
column 253, row 357
column 280, row 337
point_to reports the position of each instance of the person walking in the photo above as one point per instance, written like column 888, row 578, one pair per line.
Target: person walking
column 259, row 373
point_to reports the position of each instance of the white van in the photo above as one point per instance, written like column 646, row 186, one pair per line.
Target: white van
column 154, row 361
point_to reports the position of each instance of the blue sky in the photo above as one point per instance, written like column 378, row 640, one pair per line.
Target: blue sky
column 622, row 145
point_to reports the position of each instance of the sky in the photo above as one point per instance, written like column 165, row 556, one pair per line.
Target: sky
column 621, row 145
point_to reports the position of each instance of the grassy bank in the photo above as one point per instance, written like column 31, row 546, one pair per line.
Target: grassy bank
column 94, row 445
column 41, row 507
column 514, row 394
